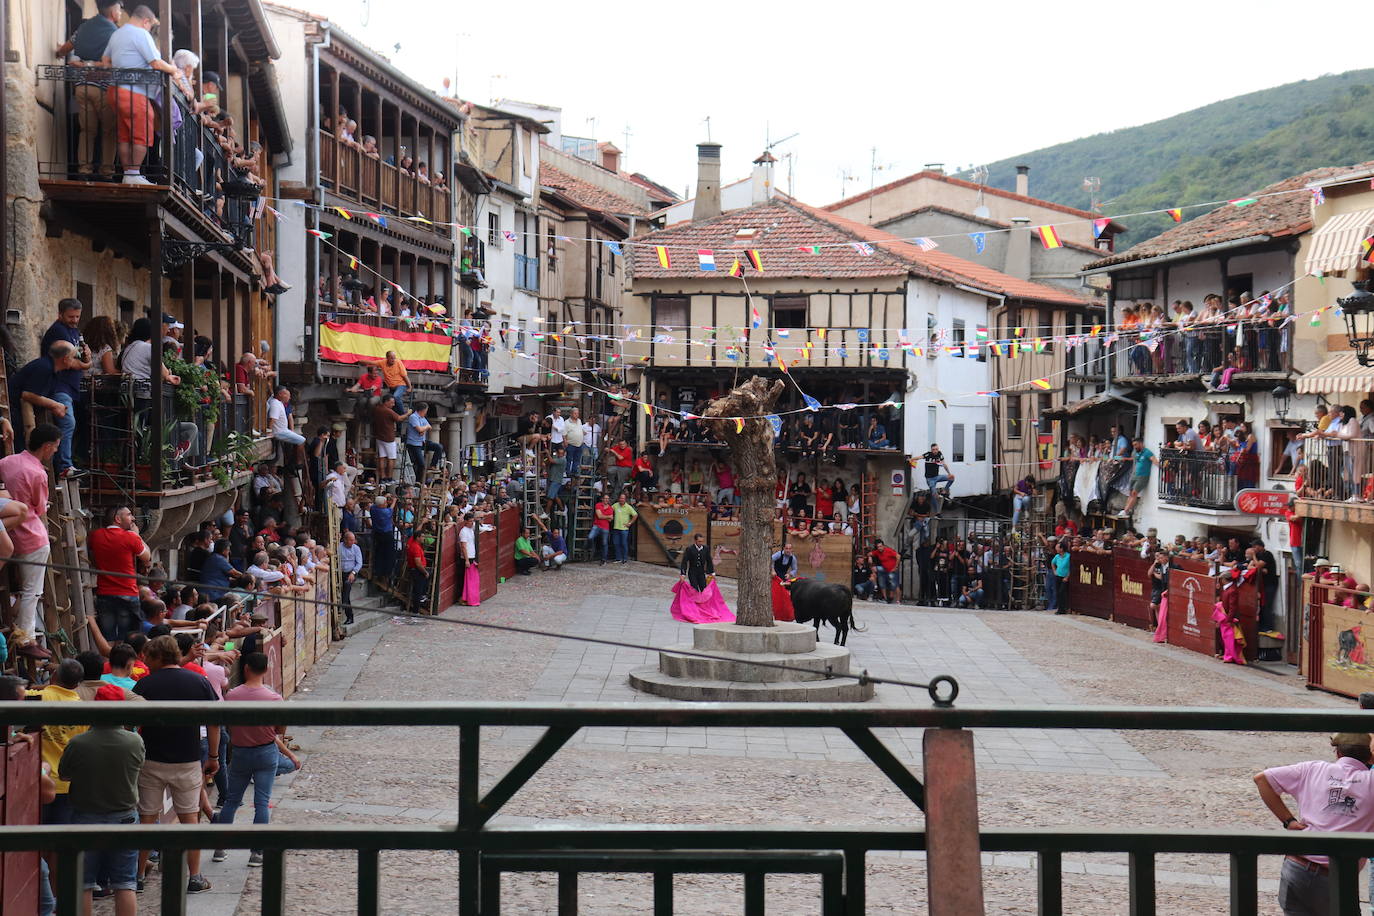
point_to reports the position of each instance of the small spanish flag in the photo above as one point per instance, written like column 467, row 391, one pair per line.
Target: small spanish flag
column 352, row 262
column 1097, row 329
column 1367, row 249
column 736, row 270
column 1042, row 383
column 756, row 262
column 648, row 409
column 342, row 212
column 739, row 425
column 1017, row 332
column 1049, row 238
column 664, row 260
column 1175, row 214
column 821, row 331
column 782, row 365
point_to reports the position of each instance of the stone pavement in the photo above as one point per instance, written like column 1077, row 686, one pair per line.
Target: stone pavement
column 719, row 775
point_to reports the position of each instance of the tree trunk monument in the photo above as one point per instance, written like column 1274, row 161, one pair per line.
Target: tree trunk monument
column 732, row 673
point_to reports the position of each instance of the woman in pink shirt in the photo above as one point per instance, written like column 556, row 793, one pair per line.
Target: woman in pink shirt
column 725, row 483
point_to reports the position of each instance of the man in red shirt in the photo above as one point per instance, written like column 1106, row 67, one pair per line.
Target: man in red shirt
column 419, row 573
column 622, row 462
column 1067, row 527
column 369, row 383
column 25, row 475
column 601, row 527
column 885, row 561
column 118, row 550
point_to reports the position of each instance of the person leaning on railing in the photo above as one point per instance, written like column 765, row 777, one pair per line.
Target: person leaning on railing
column 132, row 47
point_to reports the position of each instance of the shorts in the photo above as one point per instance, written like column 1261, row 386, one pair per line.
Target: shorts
column 133, row 115
column 388, row 449
column 156, row 779
column 889, row 580
column 1140, row 484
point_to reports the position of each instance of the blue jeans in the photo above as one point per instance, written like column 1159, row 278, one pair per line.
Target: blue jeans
column 1018, row 503
column 284, row 764
column 1051, row 592
column 940, row 478
column 117, row 867
column 251, row 764
column 47, row 903
column 118, row 616
column 574, row 455
column 399, row 393
column 67, row 424
column 598, row 536
column 620, row 541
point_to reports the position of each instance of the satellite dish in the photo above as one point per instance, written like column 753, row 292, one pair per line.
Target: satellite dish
column 982, row 211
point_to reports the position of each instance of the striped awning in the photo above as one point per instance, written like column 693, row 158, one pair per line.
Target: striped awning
column 1336, row 242
column 1339, row 374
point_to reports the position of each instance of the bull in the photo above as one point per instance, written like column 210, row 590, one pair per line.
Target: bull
column 821, row 602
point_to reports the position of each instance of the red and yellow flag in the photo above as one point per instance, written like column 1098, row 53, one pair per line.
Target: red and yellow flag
column 755, row 261
column 352, row 342
column 1049, row 237
column 736, row 270
column 1042, row 383
column 1175, row 214
column 664, row 260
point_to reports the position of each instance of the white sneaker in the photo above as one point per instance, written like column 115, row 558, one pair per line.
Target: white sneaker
column 135, row 178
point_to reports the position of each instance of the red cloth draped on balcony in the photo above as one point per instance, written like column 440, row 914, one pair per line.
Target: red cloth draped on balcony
column 354, row 342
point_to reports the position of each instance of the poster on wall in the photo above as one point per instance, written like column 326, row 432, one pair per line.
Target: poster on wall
column 1347, row 650
column 827, row 558
column 1192, row 593
column 724, row 540
column 672, row 530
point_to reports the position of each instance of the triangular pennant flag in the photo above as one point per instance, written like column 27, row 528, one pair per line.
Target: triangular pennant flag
column 615, row 247
column 1042, row 383
column 812, row 404
column 980, row 241
column 754, row 318
column 810, row 249
column 988, row 394
column 342, row 212
column 736, row 269
column 1100, row 226
column 739, row 425
column 466, row 230
column 775, row 421
column 1175, row 214
column 318, row 234
column 1243, row 201
column 648, row 409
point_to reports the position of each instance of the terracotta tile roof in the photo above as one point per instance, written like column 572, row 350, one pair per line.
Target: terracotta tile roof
column 987, row 189
column 1272, row 217
column 585, row 194
column 786, row 226
column 981, row 220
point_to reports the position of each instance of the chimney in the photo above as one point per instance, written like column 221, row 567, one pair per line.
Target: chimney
column 610, row 157
column 937, row 167
column 762, row 179
column 1023, row 181
column 707, row 203
column 1018, row 246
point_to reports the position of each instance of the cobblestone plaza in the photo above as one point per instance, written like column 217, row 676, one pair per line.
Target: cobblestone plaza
column 1026, row 778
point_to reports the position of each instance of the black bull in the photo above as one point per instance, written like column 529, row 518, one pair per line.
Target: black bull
column 821, row 602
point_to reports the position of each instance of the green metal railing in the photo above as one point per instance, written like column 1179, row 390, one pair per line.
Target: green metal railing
column 486, row 850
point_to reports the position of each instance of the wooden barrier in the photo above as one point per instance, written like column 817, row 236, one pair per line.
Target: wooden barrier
column 723, row 538
column 488, row 546
column 672, row 527
column 1091, row 585
column 324, row 617
column 448, row 569
column 19, row 806
column 1337, row 653
column 1131, row 589
column 1192, row 595
column 507, row 530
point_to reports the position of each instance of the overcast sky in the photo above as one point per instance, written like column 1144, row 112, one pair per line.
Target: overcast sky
column 957, row 83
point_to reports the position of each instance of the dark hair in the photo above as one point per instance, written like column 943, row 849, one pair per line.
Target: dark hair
column 141, row 329
column 186, row 642
column 42, row 434
column 122, row 655
column 1358, row 752
column 67, row 305
column 136, row 641
column 157, row 633
column 70, row 672
column 11, row 687
column 255, row 662
column 92, row 663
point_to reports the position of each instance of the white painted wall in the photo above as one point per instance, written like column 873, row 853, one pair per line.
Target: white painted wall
column 953, row 380
column 1193, row 280
column 516, row 308
column 297, row 82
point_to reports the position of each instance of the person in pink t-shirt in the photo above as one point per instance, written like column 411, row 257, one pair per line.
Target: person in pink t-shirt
column 255, row 756
column 1332, row 796
column 25, row 476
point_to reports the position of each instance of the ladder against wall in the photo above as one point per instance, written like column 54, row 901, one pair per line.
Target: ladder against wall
column 868, row 509
column 582, row 517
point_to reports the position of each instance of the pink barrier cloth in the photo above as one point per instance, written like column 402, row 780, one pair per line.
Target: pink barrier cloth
column 1228, row 635
column 472, row 586
column 706, row 606
column 1162, row 627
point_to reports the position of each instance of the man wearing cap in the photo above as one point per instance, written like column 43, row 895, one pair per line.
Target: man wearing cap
column 1332, row 796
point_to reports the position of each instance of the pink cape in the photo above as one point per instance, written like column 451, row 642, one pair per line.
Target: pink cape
column 472, row 586
column 706, row 606
column 1162, row 628
column 782, row 601
column 1228, row 635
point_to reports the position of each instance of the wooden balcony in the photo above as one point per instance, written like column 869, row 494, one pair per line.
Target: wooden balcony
column 380, row 187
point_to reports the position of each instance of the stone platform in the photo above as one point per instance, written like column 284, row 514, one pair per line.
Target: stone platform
column 730, row 677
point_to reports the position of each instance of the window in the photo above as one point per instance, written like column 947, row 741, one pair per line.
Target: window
column 85, row 294
column 1044, row 401
column 1283, row 449
column 551, row 249
column 527, row 251
column 670, row 312
column 932, row 424
column 126, row 311
column 1139, row 285
column 1013, row 402
column 494, row 230
column 957, row 449
column 932, row 331
column 789, row 312
column 956, row 333
column 980, row 443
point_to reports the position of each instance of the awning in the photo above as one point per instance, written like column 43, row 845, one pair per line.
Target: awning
column 1338, row 374
column 1227, row 397
column 1078, row 407
column 1336, row 243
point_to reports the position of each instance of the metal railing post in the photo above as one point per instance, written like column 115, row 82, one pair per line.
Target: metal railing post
column 953, row 864
column 469, row 818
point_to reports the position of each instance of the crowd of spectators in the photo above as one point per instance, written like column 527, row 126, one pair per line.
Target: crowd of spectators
column 1223, row 336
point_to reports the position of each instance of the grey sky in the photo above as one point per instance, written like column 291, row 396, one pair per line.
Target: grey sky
column 959, row 83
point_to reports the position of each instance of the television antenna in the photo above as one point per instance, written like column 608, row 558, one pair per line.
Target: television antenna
column 873, row 169
column 1094, row 188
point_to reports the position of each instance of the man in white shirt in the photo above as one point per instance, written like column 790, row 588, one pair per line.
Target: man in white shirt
column 467, row 541
column 260, row 571
column 350, row 562
column 336, row 485
column 559, row 426
column 574, row 436
column 277, row 423
column 1187, row 436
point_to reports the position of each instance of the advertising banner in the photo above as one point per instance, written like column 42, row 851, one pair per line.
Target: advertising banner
column 1131, row 578
column 1090, row 584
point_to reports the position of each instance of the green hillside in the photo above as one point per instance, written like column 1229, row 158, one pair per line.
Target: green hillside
column 1220, row 151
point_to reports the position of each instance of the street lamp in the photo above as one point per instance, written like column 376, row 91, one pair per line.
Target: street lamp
column 1281, row 395
column 1358, row 309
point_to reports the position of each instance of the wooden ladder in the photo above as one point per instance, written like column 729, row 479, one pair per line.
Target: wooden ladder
column 868, row 509
column 584, row 510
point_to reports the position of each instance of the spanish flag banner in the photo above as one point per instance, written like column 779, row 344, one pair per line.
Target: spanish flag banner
column 648, row 409
column 1042, row 383
column 664, row 260
column 1049, row 238
column 1175, row 214
column 736, row 270
column 352, row 342
column 755, row 261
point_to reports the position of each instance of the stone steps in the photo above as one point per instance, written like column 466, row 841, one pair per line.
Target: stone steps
column 820, row 662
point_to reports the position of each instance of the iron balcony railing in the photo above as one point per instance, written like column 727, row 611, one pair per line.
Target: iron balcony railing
column 1252, row 345
column 1204, row 480
column 1339, row 470
column 946, row 799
